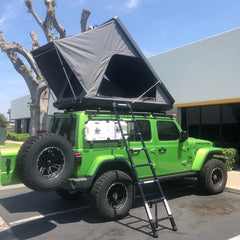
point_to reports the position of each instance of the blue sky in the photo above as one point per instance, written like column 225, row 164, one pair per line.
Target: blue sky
column 155, row 25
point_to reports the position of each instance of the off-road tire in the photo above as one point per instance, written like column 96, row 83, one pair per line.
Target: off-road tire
column 112, row 194
column 65, row 194
column 213, row 176
column 45, row 162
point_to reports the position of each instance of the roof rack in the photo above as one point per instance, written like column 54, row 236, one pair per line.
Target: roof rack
column 163, row 114
column 96, row 111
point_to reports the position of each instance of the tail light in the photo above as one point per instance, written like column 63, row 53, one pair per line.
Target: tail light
column 78, row 159
column 42, row 131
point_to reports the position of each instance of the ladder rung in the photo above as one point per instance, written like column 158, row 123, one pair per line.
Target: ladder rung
column 152, row 201
column 148, row 181
column 132, row 134
column 142, row 165
column 123, row 105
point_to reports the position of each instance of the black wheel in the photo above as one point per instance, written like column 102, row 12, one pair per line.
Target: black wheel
column 113, row 194
column 213, row 176
column 45, row 162
column 67, row 194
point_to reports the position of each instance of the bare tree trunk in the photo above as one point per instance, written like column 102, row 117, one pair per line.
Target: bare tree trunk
column 39, row 110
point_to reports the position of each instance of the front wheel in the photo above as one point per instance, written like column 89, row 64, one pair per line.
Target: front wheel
column 113, row 194
column 213, row 176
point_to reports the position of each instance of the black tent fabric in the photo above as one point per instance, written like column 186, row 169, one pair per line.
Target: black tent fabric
column 94, row 68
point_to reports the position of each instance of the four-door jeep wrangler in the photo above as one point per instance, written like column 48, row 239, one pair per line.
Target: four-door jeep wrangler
column 84, row 152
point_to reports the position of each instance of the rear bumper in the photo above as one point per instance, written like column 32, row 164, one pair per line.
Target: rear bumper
column 78, row 184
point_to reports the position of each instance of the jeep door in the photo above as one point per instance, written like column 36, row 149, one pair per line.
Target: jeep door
column 138, row 155
column 173, row 155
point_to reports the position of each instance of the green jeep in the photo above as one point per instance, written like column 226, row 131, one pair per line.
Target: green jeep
column 84, row 152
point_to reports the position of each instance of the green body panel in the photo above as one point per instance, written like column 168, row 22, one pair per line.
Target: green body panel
column 97, row 162
column 8, row 173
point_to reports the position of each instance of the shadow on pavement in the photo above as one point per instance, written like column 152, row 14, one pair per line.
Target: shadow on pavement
column 45, row 203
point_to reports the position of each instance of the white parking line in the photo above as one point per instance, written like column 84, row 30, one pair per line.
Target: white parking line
column 235, row 238
column 14, row 223
column 20, row 185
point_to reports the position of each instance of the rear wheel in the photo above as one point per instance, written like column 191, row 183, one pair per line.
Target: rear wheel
column 213, row 176
column 113, row 194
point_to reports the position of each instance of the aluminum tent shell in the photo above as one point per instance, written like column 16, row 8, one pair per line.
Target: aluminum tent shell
column 97, row 67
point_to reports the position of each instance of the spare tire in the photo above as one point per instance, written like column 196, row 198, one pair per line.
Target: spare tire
column 45, row 162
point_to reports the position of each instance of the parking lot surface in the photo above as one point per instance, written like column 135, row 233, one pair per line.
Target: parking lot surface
column 34, row 215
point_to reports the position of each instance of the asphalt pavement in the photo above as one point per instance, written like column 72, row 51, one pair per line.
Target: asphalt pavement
column 8, row 233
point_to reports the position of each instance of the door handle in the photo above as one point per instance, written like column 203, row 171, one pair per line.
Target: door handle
column 136, row 150
column 162, row 150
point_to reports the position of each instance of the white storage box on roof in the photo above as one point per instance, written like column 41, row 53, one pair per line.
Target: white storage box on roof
column 102, row 130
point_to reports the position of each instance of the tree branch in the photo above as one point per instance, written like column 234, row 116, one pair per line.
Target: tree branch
column 21, row 68
column 85, row 15
column 34, row 37
column 59, row 28
column 50, row 19
column 11, row 50
column 31, row 9
column 46, row 25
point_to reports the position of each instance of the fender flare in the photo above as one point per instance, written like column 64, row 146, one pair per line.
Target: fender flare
column 203, row 155
column 100, row 166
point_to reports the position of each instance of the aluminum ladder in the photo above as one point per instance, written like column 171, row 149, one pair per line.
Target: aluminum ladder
column 147, row 203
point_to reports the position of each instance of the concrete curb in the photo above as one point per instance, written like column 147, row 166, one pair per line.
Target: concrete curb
column 233, row 182
column 232, row 190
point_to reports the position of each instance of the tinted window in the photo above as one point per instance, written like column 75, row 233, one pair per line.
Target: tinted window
column 167, row 131
column 65, row 127
column 145, row 129
column 193, row 119
column 210, row 122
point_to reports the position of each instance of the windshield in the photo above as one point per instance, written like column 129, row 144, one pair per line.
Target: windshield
column 65, row 127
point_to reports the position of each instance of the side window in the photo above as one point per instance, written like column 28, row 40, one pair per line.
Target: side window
column 65, row 127
column 167, row 131
column 145, row 129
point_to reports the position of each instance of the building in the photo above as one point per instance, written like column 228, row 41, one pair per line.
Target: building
column 20, row 112
column 204, row 79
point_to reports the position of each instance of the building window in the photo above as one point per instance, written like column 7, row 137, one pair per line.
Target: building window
column 217, row 123
column 28, row 125
column 18, row 126
column 210, row 123
column 231, row 123
column 193, row 116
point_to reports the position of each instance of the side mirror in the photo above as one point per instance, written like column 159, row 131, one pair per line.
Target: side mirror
column 183, row 136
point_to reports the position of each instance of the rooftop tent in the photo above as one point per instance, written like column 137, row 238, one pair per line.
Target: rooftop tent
column 97, row 67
